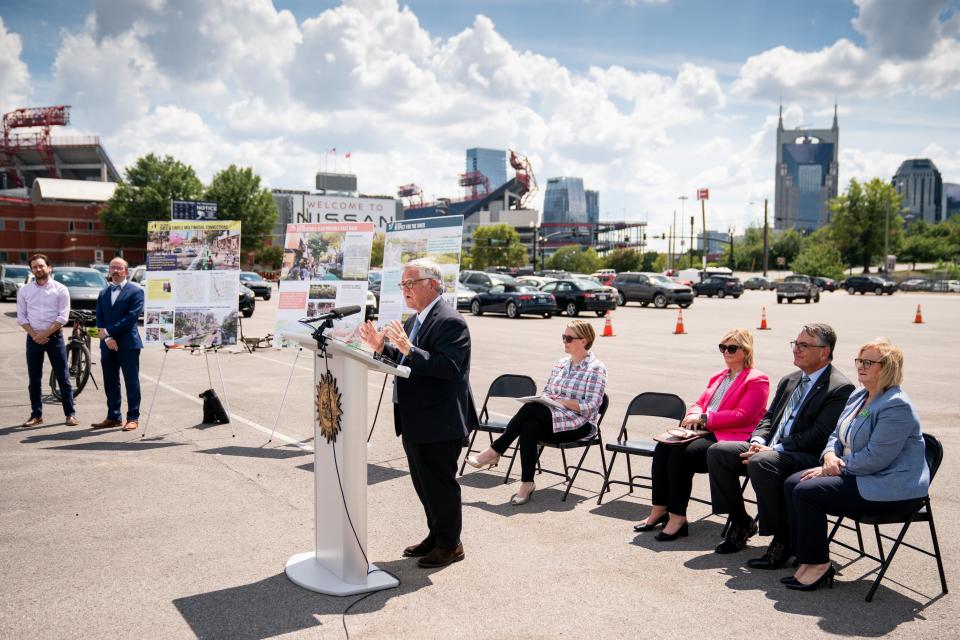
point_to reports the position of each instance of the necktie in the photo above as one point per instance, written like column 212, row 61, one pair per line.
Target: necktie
column 411, row 338
column 792, row 403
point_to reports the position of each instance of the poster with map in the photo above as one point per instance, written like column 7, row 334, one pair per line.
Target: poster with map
column 440, row 239
column 192, row 283
column 325, row 266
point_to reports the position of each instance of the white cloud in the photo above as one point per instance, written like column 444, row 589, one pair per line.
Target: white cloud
column 898, row 29
column 14, row 76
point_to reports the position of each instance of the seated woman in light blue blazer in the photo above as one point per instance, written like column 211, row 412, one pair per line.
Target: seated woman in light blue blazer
column 873, row 465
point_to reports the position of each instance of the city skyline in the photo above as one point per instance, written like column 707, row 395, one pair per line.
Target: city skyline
column 646, row 101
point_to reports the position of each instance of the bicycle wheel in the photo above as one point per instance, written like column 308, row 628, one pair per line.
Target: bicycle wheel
column 79, row 359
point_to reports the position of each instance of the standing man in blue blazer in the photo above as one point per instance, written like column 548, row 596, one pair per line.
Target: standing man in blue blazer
column 433, row 409
column 118, row 309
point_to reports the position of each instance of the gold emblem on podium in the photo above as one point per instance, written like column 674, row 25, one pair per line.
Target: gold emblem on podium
column 328, row 407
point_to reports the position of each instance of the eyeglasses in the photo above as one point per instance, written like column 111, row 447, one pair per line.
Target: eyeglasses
column 407, row 284
column 860, row 363
column 729, row 348
column 803, row 346
column 568, row 339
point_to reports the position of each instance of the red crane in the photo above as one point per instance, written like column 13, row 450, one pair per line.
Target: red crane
column 524, row 173
column 474, row 179
column 13, row 143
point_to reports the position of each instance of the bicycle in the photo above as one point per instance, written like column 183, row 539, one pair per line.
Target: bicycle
column 78, row 353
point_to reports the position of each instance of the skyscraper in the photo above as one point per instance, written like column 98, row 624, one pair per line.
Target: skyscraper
column 919, row 183
column 951, row 200
column 490, row 162
column 593, row 206
column 564, row 200
column 806, row 175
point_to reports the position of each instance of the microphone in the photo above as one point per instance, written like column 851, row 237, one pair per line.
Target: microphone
column 335, row 314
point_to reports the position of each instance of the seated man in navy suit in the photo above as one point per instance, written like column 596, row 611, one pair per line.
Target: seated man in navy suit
column 118, row 308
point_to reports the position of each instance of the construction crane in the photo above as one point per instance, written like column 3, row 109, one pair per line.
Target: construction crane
column 410, row 191
column 13, row 143
column 524, row 174
column 474, row 179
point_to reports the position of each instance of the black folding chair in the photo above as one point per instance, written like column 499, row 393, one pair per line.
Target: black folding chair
column 592, row 438
column 652, row 404
column 507, row 385
column 923, row 513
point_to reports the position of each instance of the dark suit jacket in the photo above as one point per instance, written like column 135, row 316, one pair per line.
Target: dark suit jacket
column 435, row 403
column 120, row 319
column 818, row 415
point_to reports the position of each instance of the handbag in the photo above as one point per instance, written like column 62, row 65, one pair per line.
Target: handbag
column 680, row 435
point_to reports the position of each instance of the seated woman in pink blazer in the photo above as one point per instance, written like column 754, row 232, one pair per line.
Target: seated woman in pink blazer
column 730, row 408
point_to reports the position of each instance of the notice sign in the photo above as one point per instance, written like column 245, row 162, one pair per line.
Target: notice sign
column 440, row 239
column 324, row 267
column 193, row 210
column 192, row 283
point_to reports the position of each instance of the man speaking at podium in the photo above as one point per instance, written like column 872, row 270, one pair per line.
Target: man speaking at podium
column 433, row 408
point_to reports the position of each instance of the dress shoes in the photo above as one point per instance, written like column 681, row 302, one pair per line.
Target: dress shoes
column 825, row 580
column 72, row 421
column 131, row 425
column 419, row 550
column 517, row 500
column 441, row 557
column 774, row 557
column 643, row 527
column 737, row 537
column 789, row 580
column 33, row 421
column 682, row 532
column 476, row 464
column 106, row 424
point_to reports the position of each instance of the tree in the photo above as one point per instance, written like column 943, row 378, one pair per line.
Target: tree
column 819, row 259
column 271, row 257
column 575, row 259
column 145, row 194
column 650, row 259
column 748, row 251
column 239, row 196
column 623, row 260
column 497, row 245
column 860, row 218
column 376, row 251
column 786, row 245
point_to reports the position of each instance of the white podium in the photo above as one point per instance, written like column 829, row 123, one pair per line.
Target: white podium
column 338, row 565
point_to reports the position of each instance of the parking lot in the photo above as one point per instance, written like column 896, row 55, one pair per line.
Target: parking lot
column 185, row 532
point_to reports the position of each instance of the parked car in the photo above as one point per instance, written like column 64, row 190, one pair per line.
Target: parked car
column 874, row 284
column 651, row 287
column 102, row 268
column 464, row 297
column 256, row 283
column 947, row 286
column 574, row 296
column 718, row 285
column 248, row 301
column 480, row 281
column 604, row 278
column 137, row 274
column 84, row 285
column 12, row 277
column 797, row 287
column 536, row 281
column 513, row 300
column 760, row 283
column 372, row 307
column 916, row 284
column 825, row 284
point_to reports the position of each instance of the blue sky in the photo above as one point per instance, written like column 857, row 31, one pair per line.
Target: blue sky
column 646, row 100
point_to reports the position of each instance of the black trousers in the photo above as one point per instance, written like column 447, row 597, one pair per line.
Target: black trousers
column 768, row 470
column 56, row 350
column 534, row 424
column 672, row 472
column 809, row 502
column 433, row 469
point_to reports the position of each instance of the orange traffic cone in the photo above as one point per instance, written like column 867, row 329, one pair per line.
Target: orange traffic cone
column 763, row 320
column 918, row 319
column 679, row 328
column 608, row 327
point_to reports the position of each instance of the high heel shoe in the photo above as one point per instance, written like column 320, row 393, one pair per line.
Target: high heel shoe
column 682, row 532
column 475, row 463
column 789, row 580
column 517, row 501
column 826, row 578
column 643, row 527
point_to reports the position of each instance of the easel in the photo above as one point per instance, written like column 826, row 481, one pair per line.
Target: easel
column 195, row 349
column 252, row 344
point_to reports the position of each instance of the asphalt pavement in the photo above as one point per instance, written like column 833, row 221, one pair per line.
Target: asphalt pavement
column 183, row 531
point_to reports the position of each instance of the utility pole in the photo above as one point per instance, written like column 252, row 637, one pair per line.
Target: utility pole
column 690, row 255
column 731, row 250
column 766, row 243
column 703, row 213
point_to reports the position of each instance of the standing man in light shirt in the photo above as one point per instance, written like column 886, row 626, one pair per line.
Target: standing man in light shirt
column 43, row 308
column 118, row 309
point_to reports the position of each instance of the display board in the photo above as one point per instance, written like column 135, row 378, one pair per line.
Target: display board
column 440, row 239
column 325, row 266
column 192, row 283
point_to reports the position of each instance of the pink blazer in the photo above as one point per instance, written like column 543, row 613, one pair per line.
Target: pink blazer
column 742, row 406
